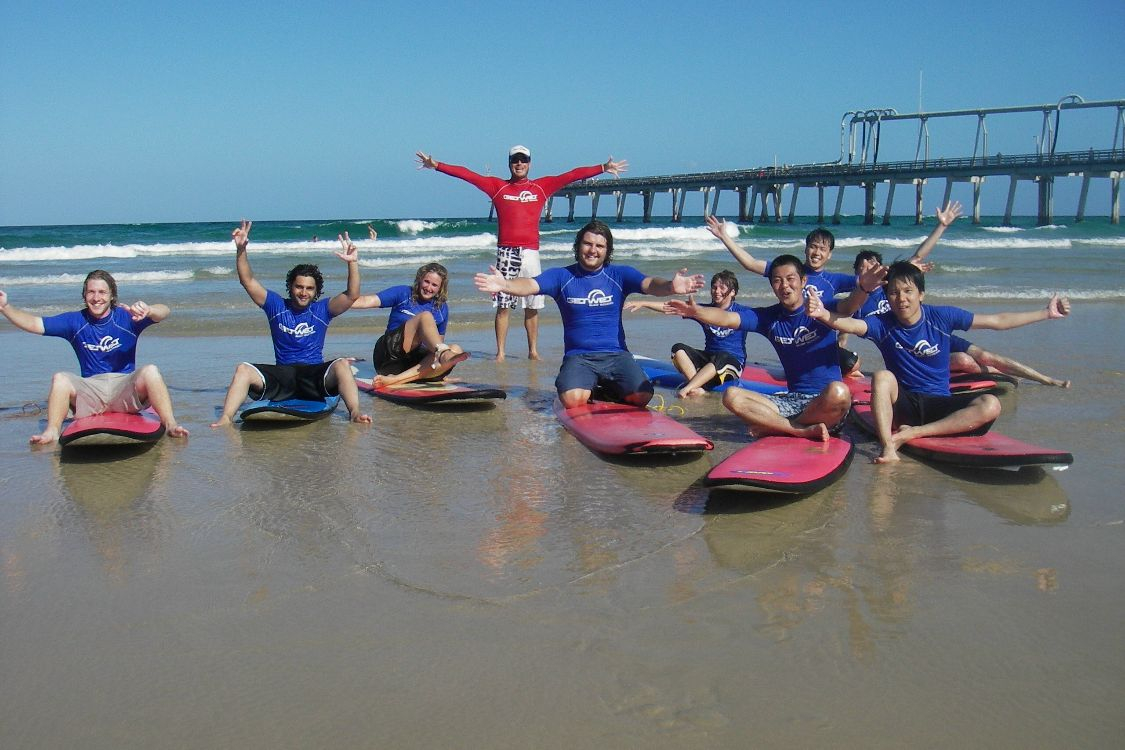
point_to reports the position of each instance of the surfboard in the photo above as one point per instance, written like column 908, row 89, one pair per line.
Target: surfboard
column 989, row 451
column 784, row 464
column 663, row 373
column 433, row 393
column 112, row 429
column 289, row 410
column 621, row 429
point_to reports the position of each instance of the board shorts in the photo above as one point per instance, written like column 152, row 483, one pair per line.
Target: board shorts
column 514, row 262
column 847, row 359
column 109, row 391
column 915, row 409
column 612, row 375
column 388, row 356
column 791, row 404
column 307, row 382
column 727, row 366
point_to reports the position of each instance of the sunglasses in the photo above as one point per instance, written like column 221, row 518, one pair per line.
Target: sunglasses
column 519, row 158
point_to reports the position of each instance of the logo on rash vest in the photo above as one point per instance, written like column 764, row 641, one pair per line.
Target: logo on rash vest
column 803, row 336
column 925, row 349
column 106, row 344
column 302, row 330
column 884, row 307
column 525, row 196
column 720, row 333
column 596, row 298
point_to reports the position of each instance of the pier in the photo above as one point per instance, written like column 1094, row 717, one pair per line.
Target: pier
column 762, row 191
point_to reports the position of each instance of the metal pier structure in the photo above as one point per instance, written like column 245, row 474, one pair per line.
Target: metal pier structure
column 861, row 168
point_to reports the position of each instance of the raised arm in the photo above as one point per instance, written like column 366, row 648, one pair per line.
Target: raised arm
column 241, row 236
column 348, row 253
column 866, row 283
column 681, row 283
column 140, row 310
column 843, row 323
column 945, row 217
column 425, row 161
column 1057, row 307
column 745, row 259
column 20, row 319
column 493, row 282
column 713, row 316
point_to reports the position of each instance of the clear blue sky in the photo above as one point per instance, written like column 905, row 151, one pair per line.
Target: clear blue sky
column 151, row 111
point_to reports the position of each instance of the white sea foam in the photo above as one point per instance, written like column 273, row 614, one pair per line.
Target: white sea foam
column 416, row 226
column 142, row 277
column 1003, row 230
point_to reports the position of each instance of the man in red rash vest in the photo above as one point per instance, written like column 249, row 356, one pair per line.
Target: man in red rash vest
column 519, row 201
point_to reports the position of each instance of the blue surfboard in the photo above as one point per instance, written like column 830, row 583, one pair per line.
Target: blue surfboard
column 663, row 373
column 289, row 410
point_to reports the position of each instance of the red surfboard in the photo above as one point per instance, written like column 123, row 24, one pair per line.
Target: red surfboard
column 432, row 393
column 111, row 429
column 621, row 429
column 780, row 463
column 989, row 451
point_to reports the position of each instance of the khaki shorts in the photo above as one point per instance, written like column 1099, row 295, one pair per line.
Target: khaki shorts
column 111, row 391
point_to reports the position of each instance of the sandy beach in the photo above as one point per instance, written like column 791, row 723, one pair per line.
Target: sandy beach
column 477, row 578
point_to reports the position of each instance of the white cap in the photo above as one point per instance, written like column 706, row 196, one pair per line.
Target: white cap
column 519, row 150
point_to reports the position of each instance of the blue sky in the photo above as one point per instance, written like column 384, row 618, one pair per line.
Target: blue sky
column 148, row 111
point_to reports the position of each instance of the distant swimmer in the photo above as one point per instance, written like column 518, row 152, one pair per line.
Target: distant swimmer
column 590, row 295
column 104, row 337
column 724, row 348
column 915, row 340
column 371, row 233
column 519, row 202
column 413, row 347
column 298, row 325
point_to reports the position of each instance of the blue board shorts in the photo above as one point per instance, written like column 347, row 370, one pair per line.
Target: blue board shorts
column 614, row 375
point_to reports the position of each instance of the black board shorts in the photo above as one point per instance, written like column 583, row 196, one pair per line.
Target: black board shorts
column 388, row 356
column 923, row 408
column 284, row 382
column 727, row 366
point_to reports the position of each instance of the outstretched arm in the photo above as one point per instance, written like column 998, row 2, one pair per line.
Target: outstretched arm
column 681, row 283
column 713, row 316
column 140, row 310
column 493, row 282
column 1057, row 307
column 644, row 305
column 241, row 236
column 843, row 323
column 945, row 217
column 615, row 168
column 349, row 253
column 20, row 319
column 866, row 283
column 745, row 259
column 425, row 161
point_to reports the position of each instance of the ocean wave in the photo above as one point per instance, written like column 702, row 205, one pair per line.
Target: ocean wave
column 955, row 268
column 416, row 226
column 141, row 277
column 1003, row 230
column 1039, row 295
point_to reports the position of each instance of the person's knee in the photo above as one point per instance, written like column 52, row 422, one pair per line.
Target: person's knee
column 836, row 395
column 989, row 406
column 574, row 397
column 61, row 382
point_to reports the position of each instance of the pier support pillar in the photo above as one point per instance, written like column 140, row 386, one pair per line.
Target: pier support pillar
column 890, row 201
column 1046, row 212
column 948, row 190
column 793, row 202
column 765, row 205
column 548, row 216
column 820, row 204
column 1011, row 201
column 491, row 212
column 1114, row 198
column 1081, row 214
column 742, row 204
column 749, row 218
column 570, row 209
column 594, row 204
column 678, row 195
column 919, row 208
column 977, row 182
column 777, row 203
column 839, row 203
column 707, row 210
column 868, row 203
column 646, row 199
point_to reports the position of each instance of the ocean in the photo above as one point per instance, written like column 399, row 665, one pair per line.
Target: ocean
column 476, row 578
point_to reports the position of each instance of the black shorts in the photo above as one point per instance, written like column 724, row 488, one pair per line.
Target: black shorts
column 284, row 382
column 727, row 366
column 388, row 356
column 923, row 408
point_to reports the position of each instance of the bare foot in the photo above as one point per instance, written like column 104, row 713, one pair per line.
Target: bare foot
column 1061, row 383
column 453, row 359
column 499, row 357
column 224, row 421
column 533, row 355
column 818, row 431
column 46, row 437
column 177, row 430
column 690, row 392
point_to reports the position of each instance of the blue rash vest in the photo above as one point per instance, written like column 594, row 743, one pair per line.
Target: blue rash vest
column 919, row 355
column 403, row 308
column 732, row 341
column 806, row 347
column 590, row 304
column 103, row 346
column 298, row 337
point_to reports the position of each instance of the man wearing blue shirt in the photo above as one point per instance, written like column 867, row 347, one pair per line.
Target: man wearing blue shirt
column 916, row 340
column 591, row 294
column 298, row 325
column 104, row 337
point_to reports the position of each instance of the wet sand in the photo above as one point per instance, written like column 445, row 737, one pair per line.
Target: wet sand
column 465, row 578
